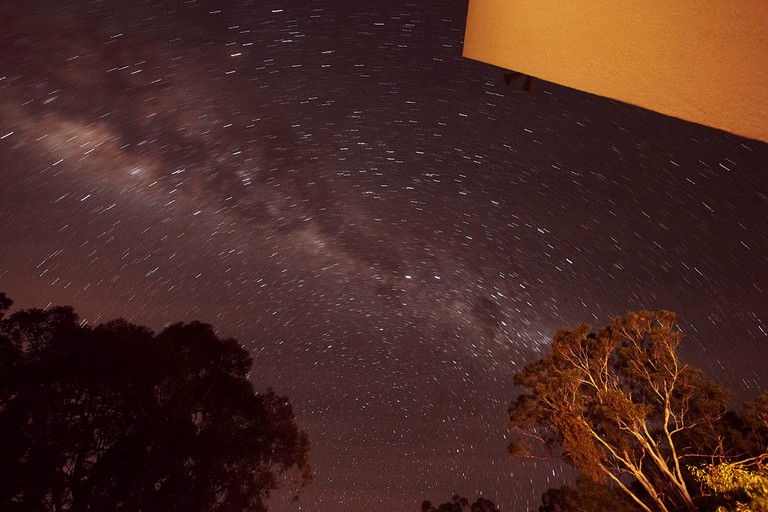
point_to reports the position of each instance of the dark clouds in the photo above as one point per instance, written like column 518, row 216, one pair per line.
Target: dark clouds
column 388, row 228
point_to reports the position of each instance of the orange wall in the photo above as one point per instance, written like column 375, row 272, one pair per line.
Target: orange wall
column 701, row 60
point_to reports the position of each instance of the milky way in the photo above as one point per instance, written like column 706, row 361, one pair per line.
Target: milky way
column 388, row 228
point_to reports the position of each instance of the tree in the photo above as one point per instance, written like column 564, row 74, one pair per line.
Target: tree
column 740, row 486
column 740, row 483
column 753, row 431
column 483, row 505
column 620, row 405
column 587, row 496
column 461, row 504
column 117, row 418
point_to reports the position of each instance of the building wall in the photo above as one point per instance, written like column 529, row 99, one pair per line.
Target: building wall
column 700, row 60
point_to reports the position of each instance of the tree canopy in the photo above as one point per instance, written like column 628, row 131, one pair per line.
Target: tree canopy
column 461, row 504
column 740, row 486
column 116, row 417
column 587, row 496
column 620, row 405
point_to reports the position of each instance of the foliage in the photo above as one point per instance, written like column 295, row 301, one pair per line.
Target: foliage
column 587, row 496
column 755, row 426
column 117, row 418
column 620, row 405
column 461, row 504
column 743, row 485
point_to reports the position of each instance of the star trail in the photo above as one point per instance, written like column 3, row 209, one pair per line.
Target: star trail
column 387, row 228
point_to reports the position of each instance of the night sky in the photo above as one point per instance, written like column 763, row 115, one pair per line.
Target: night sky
column 388, row 229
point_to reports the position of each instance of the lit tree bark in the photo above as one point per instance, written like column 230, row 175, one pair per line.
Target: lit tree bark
column 619, row 402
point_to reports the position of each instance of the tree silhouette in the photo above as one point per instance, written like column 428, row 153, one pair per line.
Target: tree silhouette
column 461, row 504
column 117, row 418
column 586, row 496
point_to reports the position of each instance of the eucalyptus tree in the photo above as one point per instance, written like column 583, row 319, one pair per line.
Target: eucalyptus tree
column 620, row 405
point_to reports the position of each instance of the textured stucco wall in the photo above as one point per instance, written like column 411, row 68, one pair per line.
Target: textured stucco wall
column 701, row 60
